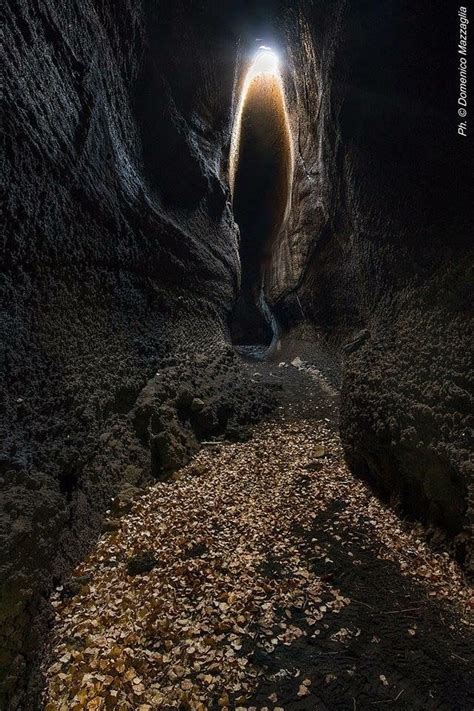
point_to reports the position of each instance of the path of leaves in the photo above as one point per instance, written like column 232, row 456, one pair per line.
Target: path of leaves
column 181, row 635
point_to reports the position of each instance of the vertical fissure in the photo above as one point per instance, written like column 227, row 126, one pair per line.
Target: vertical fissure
column 261, row 173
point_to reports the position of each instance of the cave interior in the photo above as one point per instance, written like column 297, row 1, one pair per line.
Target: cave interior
column 195, row 190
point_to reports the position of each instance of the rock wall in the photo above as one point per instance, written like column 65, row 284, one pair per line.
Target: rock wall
column 382, row 260
column 120, row 251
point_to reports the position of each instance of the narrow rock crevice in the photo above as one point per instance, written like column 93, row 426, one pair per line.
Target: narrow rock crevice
column 261, row 173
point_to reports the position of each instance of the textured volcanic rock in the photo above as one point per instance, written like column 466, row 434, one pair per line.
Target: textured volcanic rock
column 408, row 390
column 379, row 243
column 119, row 248
column 121, row 252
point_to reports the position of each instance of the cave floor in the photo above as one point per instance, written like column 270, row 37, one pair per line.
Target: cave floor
column 263, row 575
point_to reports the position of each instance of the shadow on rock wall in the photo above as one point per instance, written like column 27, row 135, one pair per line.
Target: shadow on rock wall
column 393, row 259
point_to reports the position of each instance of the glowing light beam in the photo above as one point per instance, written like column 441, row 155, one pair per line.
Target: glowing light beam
column 266, row 62
column 265, row 66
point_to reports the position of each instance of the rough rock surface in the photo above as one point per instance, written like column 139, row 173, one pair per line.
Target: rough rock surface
column 120, row 250
column 379, row 242
column 115, row 255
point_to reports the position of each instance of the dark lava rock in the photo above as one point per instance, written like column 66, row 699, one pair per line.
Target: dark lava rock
column 205, row 422
column 73, row 586
column 197, row 405
column 314, row 466
column 197, row 470
column 110, row 525
column 197, row 551
column 133, row 475
column 184, row 400
column 357, row 341
column 167, row 453
column 123, row 502
column 237, row 433
column 141, row 563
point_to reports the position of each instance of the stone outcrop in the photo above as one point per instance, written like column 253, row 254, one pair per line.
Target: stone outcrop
column 383, row 263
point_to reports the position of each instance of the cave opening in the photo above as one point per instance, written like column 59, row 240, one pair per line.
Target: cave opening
column 261, row 173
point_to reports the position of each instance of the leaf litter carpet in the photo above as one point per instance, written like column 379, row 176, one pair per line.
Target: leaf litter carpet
column 264, row 576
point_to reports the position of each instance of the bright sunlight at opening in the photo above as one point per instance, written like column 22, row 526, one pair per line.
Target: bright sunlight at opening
column 265, row 62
